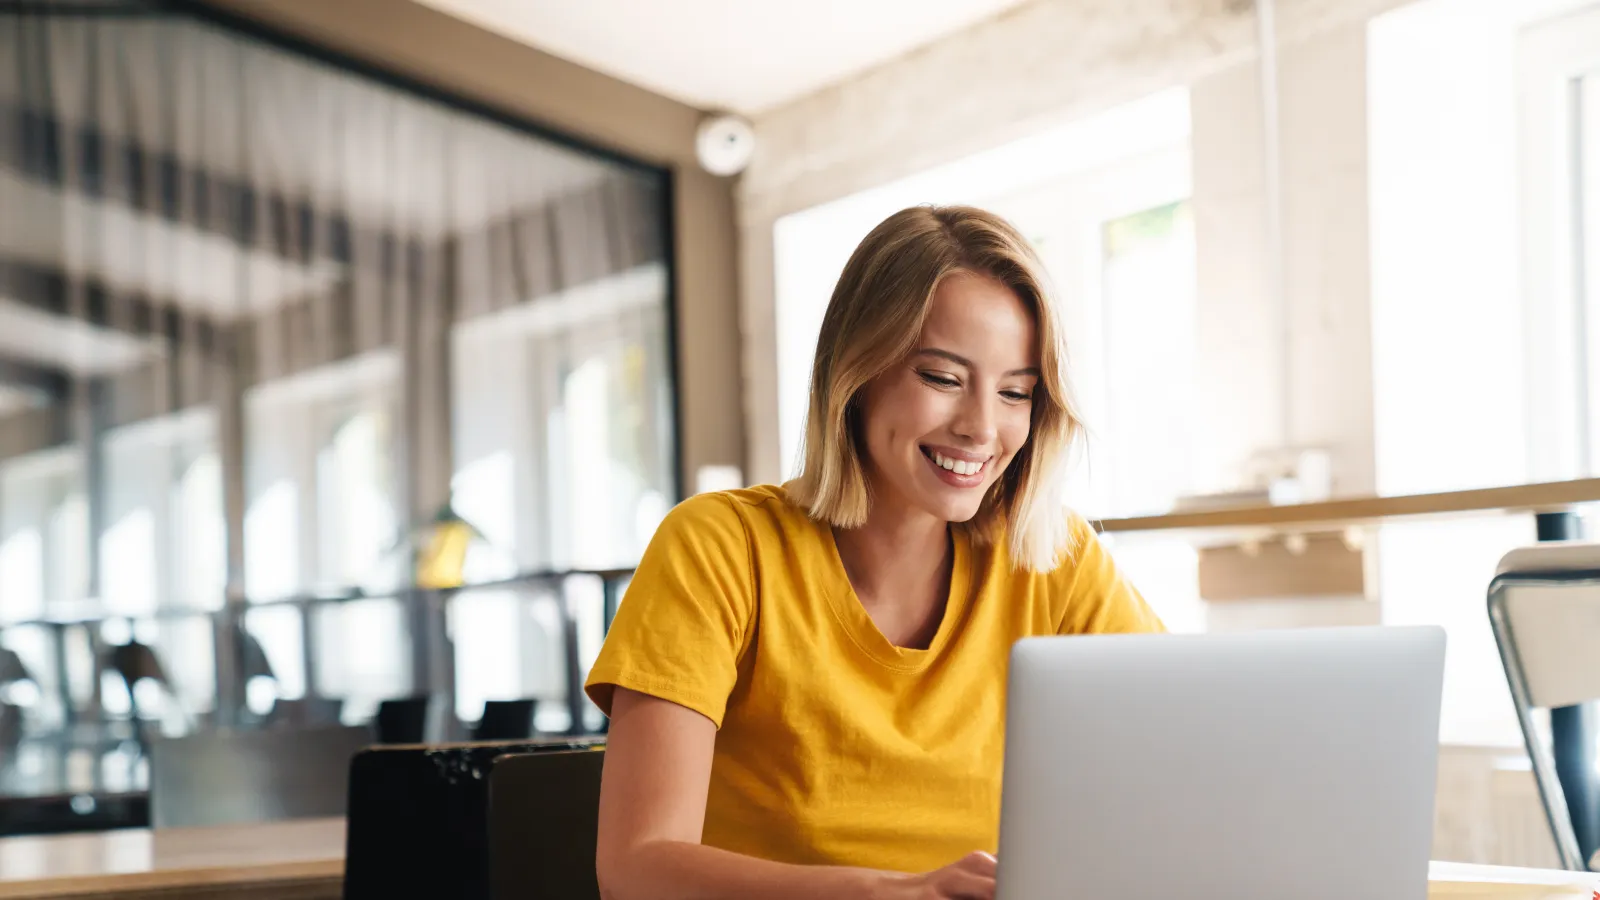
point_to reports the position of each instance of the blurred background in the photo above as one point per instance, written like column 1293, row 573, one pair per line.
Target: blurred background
column 350, row 352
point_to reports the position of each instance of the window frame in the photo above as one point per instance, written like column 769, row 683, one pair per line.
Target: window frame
column 1559, row 224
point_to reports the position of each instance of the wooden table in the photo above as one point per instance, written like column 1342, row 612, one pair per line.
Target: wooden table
column 304, row 860
column 298, row 860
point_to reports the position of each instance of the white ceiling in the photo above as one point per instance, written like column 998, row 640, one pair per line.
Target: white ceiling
column 740, row 55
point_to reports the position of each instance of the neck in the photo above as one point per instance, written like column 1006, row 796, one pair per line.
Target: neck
column 897, row 553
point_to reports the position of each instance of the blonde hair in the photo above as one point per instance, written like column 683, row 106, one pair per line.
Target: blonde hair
column 873, row 322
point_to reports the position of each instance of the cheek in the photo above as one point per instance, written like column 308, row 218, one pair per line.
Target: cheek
column 905, row 413
column 1015, row 428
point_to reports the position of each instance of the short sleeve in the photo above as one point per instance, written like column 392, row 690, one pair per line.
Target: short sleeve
column 687, row 613
column 1099, row 598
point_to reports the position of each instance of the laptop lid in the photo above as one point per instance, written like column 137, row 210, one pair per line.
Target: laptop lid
column 1222, row 767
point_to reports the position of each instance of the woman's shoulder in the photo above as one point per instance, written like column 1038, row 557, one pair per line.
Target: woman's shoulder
column 751, row 514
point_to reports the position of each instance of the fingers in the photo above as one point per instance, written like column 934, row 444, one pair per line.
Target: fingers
column 980, row 862
column 961, row 885
column 969, row 878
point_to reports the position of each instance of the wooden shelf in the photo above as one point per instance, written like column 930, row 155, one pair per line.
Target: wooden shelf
column 1365, row 510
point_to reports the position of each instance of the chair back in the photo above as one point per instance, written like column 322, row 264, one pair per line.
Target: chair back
column 544, row 816
column 11, row 727
column 134, row 662
column 305, row 712
column 253, row 658
column 12, row 668
column 1544, row 609
column 402, row 720
column 505, row 720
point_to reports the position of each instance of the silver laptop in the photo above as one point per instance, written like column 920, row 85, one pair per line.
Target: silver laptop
column 1222, row 767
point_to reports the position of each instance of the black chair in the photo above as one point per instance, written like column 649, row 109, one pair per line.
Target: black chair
column 402, row 720
column 418, row 824
column 12, row 668
column 10, row 728
column 505, row 720
column 12, row 716
column 304, row 712
column 134, row 662
column 253, row 658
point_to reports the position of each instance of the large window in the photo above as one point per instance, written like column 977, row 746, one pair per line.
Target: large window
column 1478, row 119
column 1148, row 306
column 1559, row 177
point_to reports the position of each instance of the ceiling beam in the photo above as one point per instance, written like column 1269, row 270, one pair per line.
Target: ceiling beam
column 53, row 383
column 92, row 302
column 79, row 157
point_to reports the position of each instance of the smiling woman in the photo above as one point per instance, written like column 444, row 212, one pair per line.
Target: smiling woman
column 806, row 682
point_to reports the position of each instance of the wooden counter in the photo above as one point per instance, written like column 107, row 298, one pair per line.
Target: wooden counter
column 1335, row 514
column 299, row 860
column 304, row 860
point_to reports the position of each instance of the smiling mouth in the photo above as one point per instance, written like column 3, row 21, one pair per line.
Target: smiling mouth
column 961, row 467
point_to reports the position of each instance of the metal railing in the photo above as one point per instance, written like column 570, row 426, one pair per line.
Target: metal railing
column 431, row 649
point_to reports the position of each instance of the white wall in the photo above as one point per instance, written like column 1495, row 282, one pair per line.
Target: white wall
column 1244, row 372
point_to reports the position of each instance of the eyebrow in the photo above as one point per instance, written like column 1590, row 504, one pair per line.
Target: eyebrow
column 963, row 361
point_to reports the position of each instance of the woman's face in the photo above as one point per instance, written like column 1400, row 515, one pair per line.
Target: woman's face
column 942, row 425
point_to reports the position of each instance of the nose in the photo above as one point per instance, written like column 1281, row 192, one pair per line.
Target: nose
column 977, row 417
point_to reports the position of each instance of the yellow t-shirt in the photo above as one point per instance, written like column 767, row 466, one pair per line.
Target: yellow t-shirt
column 835, row 746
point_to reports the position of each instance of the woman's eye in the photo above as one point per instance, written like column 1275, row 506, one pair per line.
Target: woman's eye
column 1018, row 396
column 938, row 380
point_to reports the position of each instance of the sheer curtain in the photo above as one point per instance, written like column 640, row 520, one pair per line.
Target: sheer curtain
column 264, row 311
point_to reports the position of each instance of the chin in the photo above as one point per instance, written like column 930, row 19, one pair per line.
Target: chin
column 954, row 512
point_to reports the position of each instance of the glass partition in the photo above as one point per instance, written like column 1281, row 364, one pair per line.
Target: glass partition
column 265, row 323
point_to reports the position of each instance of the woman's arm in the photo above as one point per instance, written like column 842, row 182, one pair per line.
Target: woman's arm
column 652, row 811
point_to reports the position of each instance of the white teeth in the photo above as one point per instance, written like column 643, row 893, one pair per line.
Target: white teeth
column 960, row 467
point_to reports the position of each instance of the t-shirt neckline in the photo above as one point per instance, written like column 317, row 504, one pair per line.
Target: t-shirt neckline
column 857, row 624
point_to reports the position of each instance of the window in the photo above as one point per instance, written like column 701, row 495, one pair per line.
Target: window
column 356, row 521
column 127, row 559
column 483, row 493
column 1558, row 94
column 563, row 445
column 68, row 549
column 271, row 545
column 199, row 550
column 1148, row 301
column 22, row 561
column 1473, row 110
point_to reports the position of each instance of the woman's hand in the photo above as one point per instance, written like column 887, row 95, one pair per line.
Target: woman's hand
column 969, row 878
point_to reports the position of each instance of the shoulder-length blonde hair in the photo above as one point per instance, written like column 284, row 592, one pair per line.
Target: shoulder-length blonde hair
column 873, row 322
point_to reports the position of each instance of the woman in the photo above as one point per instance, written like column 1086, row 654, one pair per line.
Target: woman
column 806, row 682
